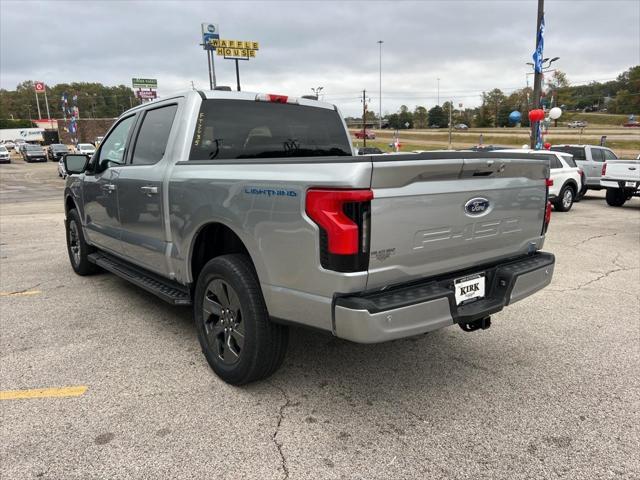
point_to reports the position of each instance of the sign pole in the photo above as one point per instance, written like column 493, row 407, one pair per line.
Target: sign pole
column 46, row 102
column 213, row 70
column 237, row 74
column 209, row 69
column 38, row 104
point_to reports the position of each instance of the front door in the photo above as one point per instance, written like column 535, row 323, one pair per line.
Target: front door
column 100, row 189
column 140, row 191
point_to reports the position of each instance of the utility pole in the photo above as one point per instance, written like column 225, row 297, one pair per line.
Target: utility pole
column 380, row 42
column 364, row 118
column 537, row 78
column 450, row 121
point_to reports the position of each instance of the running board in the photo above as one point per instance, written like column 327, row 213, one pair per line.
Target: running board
column 167, row 290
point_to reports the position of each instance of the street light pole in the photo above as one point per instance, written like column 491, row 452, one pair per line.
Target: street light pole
column 380, row 42
column 537, row 78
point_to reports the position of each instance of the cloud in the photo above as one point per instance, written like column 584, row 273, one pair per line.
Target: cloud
column 470, row 45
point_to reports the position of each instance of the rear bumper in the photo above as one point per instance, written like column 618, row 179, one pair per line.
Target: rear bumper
column 417, row 308
column 609, row 183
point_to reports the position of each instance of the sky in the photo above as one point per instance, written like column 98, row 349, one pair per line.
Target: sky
column 470, row 46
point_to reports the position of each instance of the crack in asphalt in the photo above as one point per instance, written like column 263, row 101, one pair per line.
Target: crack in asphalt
column 588, row 239
column 597, row 279
column 274, row 436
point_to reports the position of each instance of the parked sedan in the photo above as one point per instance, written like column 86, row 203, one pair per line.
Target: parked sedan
column 368, row 134
column 56, row 151
column 33, row 153
column 85, row 149
column 461, row 126
column 4, row 155
column 577, row 124
column 9, row 145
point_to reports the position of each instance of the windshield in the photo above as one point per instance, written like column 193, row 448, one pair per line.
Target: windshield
column 32, row 147
column 3, row 149
column 58, row 147
column 86, row 146
column 236, row 129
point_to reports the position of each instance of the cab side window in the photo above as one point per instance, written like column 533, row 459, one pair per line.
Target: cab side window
column 153, row 135
column 597, row 155
column 609, row 155
column 113, row 147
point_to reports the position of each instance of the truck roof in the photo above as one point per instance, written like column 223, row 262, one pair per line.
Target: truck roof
column 250, row 96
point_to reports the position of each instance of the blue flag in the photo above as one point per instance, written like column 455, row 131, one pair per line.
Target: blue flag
column 538, row 55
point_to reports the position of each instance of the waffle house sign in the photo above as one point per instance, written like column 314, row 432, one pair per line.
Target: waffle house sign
column 235, row 48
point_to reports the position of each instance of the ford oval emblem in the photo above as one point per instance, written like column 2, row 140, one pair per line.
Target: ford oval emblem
column 477, row 207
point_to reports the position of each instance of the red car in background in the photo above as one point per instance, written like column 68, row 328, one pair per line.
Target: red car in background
column 369, row 135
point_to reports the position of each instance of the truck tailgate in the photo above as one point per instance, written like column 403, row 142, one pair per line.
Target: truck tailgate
column 628, row 170
column 445, row 211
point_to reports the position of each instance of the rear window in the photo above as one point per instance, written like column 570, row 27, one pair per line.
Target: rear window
column 238, row 129
column 569, row 161
column 577, row 152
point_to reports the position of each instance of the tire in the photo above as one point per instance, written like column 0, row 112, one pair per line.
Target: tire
column 616, row 197
column 580, row 195
column 77, row 248
column 565, row 199
column 238, row 339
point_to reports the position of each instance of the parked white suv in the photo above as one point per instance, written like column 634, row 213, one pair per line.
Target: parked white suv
column 566, row 175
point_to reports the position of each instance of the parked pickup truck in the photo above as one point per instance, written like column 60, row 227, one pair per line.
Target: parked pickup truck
column 621, row 178
column 590, row 159
column 253, row 209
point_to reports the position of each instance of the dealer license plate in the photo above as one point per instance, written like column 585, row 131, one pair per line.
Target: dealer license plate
column 468, row 288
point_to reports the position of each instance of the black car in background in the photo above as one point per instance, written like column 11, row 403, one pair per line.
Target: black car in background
column 56, row 151
column 33, row 153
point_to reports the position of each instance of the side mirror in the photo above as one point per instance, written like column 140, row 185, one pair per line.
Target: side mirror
column 75, row 163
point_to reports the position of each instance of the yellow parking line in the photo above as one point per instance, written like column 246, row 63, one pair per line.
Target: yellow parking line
column 20, row 294
column 43, row 393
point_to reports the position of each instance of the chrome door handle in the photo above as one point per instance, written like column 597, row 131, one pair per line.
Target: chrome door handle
column 109, row 187
column 149, row 190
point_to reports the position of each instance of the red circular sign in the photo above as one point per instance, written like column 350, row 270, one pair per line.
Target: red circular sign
column 39, row 86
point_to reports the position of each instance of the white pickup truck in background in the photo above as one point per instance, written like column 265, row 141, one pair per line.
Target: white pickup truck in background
column 621, row 178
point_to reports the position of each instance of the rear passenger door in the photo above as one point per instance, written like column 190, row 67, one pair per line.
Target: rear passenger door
column 140, row 190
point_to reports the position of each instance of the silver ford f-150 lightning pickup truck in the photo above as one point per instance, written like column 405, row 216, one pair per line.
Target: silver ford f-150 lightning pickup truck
column 253, row 209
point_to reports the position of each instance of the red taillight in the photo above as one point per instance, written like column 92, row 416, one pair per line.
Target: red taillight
column 549, row 182
column 604, row 169
column 547, row 217
column 277, row 98
column 326, row 208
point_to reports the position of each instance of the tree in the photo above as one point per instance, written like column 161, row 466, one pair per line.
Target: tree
column 492, row 101
column 438, row 117
column 420, row 117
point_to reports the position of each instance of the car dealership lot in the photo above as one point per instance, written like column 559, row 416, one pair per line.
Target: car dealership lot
column 549, row 391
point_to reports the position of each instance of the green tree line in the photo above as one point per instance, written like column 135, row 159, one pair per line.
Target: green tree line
column 617, row 96
column 94, row 100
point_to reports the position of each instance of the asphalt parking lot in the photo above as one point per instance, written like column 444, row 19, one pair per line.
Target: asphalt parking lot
column 550, row 391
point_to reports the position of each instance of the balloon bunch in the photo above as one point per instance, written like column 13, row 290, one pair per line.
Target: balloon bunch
column 538, row 115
